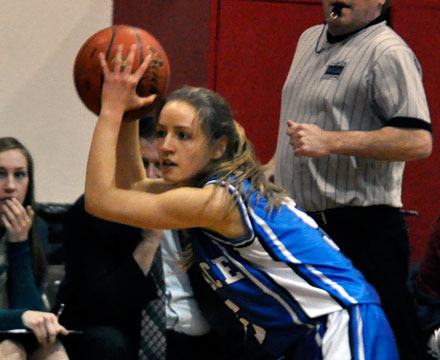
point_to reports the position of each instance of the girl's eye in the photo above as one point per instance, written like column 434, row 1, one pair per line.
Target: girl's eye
column 21, row 175
column 161, row 133
column 183, row 135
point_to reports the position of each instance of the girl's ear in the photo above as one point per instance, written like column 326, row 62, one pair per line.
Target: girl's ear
column 220, row 147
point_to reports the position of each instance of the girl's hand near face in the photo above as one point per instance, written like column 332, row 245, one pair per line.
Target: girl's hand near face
column 44, row 325
column 16, row 219
column 119, row 89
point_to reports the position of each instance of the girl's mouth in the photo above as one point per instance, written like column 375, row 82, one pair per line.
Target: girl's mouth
column 167, row 163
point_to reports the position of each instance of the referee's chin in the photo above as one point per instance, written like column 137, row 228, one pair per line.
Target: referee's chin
column 339, row 28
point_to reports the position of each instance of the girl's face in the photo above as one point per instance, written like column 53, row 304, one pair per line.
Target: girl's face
column 14, row 176
column 183, row 147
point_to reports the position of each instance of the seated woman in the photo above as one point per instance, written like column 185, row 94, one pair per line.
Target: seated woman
column 269, row 262
column 22, row 263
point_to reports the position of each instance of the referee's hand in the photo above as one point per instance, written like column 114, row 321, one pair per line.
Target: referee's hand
column 308, row 139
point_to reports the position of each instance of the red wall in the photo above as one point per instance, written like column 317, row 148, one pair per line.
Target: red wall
column 181, row 26
column 243, row 49
column 418, row 23
column 253, row 58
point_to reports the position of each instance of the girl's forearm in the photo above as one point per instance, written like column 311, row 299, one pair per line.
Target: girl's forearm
column 129, row 166
column 101, row 165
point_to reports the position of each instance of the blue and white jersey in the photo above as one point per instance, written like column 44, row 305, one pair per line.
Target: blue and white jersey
column 283, row 277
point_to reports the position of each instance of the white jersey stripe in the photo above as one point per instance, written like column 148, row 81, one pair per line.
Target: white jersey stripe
column 314, row 301
column 360, row 337
column 339, row 289
column 336, row 339
column 264, row 288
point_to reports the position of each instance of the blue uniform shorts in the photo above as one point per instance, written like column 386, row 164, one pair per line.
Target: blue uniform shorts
column 361, row 332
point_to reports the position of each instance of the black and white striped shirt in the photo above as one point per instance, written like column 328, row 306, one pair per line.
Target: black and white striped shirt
column 367, row 81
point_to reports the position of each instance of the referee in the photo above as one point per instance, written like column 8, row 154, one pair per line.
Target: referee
column 353, row 111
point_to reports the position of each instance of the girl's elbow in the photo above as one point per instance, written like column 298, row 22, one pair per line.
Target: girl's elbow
column 98, row 206
column 91, row 204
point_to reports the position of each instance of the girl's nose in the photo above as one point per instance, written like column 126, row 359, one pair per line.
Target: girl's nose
column 166, row 143
column 10, row 183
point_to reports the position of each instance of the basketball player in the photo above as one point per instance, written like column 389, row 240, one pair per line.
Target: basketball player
column 353, row 111
column 268, row 261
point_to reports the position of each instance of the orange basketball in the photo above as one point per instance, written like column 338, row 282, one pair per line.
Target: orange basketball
column 87, row 71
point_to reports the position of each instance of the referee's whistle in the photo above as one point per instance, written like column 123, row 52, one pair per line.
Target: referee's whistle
column 336, row 12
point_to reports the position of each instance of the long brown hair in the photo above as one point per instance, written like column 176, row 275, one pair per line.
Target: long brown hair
column 39, row 258
column 239, row 159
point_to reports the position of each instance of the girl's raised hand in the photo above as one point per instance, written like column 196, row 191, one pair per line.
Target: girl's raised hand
column 17, row 220
column 119, row 89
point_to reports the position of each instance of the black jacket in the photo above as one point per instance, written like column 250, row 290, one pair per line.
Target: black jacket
column 103, row 284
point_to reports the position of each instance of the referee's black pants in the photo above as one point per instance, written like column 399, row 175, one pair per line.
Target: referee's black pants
column 375, row 238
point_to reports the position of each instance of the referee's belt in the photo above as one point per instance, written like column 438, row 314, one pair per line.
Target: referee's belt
column 355, row 213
